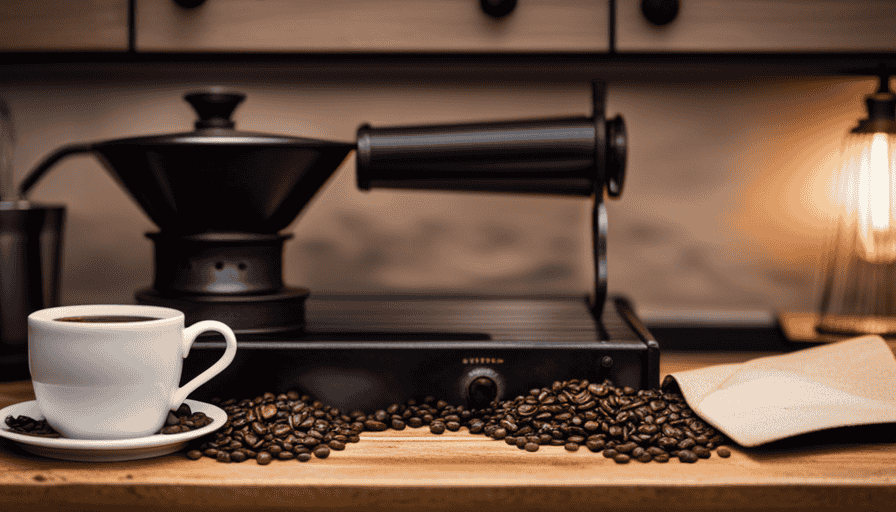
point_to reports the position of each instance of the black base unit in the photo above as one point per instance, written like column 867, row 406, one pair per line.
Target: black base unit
column 365, row 353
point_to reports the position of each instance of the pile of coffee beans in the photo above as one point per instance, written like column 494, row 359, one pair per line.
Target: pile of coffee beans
column 621, row 423
column 181, row 420
column 30, row 427
column 184, row 420
column 285, row 427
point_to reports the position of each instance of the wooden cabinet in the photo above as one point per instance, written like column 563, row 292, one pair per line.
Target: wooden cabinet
column 761, row 26
column 64, row 25
column 458, row 26
column 371, row 26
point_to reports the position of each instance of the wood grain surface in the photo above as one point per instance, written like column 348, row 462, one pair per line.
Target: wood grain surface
column 64, row 25
column 761, row 25
column 415, row 470
column 351, row 25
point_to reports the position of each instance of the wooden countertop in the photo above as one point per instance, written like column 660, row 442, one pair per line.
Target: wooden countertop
column 415, row 470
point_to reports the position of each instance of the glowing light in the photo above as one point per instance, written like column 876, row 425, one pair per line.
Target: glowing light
column 867, row 192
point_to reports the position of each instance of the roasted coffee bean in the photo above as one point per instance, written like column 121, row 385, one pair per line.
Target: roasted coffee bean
column 336, row 445
column 476, row 426
column 531, row 447
column 303, row 457
column 687, row 456
column 621, row 458
column 644, row 457
column 268, row 411
column 702, row 451
column 508, row 425
column 397, row 424
column 375, row 426
column 626, row 447
column 595, row 445
column 654, row 450
column 571, row 447
column 238, row 456
column 437, row 427
column 321, row 452
column 196, row 455
column 686, row 444
column 723, row 452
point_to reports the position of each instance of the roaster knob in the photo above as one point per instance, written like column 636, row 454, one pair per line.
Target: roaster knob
column 481, row 392
column 497, row 8
column 214, row 108
column 617, row 142
column 660, row 12
column 482, row 386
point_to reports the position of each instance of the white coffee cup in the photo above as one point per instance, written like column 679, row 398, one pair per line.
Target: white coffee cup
column 114, row 379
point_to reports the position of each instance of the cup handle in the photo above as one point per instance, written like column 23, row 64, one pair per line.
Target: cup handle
column 190, row 334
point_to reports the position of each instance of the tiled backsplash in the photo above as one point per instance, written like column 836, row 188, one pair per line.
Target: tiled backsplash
column 723, row 207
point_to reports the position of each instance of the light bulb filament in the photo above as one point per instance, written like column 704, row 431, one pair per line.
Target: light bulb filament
column 876, row 215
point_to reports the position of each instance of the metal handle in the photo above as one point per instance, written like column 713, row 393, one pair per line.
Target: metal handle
column 575, row 156
column 544, row 156
column 38, row 172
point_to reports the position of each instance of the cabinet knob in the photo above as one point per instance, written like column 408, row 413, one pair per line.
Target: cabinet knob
column 660, row 12
column 189, row 4
column 497, row 8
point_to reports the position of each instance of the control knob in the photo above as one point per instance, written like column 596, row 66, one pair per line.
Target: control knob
column 481, row 386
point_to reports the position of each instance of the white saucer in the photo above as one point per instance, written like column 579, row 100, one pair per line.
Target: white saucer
column 91, row 450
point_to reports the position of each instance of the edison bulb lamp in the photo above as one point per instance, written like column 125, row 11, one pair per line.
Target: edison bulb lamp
column 858, row 272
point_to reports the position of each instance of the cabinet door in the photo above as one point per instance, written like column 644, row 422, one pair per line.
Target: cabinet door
column 371, row 26
column 761, row 25
column 63, row 25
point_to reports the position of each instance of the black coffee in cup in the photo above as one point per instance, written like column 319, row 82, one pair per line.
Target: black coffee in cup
column 106, row 319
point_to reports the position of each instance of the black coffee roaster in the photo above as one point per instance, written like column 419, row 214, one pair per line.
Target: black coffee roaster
column 220, row 197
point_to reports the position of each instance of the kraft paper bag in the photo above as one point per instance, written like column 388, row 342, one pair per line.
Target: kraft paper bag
column 852, row 382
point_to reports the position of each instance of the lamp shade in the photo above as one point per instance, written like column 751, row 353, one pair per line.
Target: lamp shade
column 858, row 272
